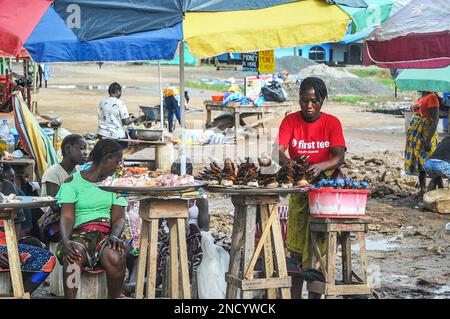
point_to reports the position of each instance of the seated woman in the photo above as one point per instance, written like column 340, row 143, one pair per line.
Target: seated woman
column 92, row 221
column 36, row 263
column 74, row 152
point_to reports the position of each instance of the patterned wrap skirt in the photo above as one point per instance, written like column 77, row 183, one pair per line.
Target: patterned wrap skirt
column 415, row 155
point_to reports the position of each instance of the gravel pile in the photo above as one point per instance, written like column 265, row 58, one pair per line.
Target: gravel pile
column 339, row 81
column 294, row 64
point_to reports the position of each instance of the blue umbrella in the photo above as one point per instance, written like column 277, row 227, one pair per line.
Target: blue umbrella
column 53, row 41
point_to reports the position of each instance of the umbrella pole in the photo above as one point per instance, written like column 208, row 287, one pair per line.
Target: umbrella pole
column 182, row 111
column 161, row 107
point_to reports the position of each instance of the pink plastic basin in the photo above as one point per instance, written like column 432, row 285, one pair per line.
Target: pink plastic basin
column 338, row 203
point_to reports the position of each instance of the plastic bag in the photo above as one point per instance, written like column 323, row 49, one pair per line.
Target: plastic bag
column 273, row 92
column 211, row 272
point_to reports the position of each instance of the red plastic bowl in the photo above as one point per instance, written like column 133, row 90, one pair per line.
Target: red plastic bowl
column 217, row 98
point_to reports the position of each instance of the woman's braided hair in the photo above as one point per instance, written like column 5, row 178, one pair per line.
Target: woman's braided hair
column 314, row 83
column 104, row 149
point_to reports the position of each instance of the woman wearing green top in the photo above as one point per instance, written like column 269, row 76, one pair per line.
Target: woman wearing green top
column 92, row 221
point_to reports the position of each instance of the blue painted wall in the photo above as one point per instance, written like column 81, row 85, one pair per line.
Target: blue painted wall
column 305, row 51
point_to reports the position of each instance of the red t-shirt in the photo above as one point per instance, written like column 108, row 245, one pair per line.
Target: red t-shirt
column 314, row 139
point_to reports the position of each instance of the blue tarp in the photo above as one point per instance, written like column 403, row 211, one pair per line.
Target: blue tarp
column 350, row 38
column 53, row 41
column 101, row 19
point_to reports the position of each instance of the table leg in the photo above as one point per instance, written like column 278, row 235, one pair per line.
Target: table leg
column 143, row 250
column 346, row 257
column 249, row 212
column 152, row 259
column 208, row 116
column 174, row 276
column 235, row 250
column 268, row 256
column 237, row 124
column 183, row 258
column 13, row 258
column 280, row 256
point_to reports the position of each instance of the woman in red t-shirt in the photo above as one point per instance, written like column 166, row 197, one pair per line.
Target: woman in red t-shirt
column 313, row 133
column 421, row 137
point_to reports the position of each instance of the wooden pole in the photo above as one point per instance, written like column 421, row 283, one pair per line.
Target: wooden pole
column 182, row 112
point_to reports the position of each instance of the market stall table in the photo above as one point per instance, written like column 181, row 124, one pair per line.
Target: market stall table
column 157, row 203
column 274, row 108
column 135, row 146
column 247, row 201
column 7, row 214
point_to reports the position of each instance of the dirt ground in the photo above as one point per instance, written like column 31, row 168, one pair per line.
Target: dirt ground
column 408, row 248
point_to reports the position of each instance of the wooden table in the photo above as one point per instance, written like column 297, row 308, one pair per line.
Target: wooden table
column 241, row 274
column 7, row 214
column 274, row 108
column 138, row 145
column 156, row 204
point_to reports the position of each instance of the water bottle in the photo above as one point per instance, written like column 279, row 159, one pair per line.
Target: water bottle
column 6, row 136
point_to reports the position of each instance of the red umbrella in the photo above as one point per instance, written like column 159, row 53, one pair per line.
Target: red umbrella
column 417, row 36
column 18, row 19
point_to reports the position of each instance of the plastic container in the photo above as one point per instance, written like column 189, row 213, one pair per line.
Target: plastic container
column 6, row 136
column 338, row 203
column 217, row 98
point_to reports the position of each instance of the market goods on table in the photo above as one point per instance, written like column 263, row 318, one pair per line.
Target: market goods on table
column 267, row 174
column 136, row 177
column 12, row 201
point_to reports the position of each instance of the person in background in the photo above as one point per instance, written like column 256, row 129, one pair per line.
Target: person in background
column 36, row 262
column 93, row 220
column 113, row 115
column 172, row 106
column 10, row 175
column 74, row 152
column 422, row 136
column 437, row 166
column 309, row 132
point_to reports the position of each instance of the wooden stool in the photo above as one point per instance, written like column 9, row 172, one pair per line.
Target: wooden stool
column 330, row 227
column 275, row 271
column 56, row 276
column 13, row 254
column 175, row 211
column 93, row 285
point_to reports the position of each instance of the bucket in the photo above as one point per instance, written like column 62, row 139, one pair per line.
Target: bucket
column 338, row 203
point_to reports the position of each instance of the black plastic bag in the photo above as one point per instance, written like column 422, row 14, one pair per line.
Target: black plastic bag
column 273, row 92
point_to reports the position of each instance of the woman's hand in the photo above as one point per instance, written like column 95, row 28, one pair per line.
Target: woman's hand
column 427, row 146
column 4, row 261
column 115, row 243
column 72, row 253
column 314, row 170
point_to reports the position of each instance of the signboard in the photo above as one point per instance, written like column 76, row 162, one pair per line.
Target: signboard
column 266, row 61
column 250, row 61
column 253, row 85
